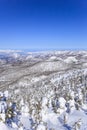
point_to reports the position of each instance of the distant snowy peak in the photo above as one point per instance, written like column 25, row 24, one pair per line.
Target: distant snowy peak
column 15, row 55
column 29, row 57
column 71, row 60
column 55, row 58
column 64, row 56
column 9, row 51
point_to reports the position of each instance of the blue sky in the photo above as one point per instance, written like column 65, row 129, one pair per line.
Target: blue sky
column 43, row 24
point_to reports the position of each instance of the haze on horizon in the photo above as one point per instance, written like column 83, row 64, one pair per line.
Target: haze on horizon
column 43, row 24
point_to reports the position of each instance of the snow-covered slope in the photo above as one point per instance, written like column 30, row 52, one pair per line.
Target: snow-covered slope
column 43, row 90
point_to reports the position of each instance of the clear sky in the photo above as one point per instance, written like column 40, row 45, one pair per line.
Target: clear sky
column 43, row 24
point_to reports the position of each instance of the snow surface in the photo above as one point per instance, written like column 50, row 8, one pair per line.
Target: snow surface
column 55, row 113
column 71, row 60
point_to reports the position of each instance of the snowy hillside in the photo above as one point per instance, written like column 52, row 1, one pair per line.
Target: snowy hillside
column 43, row 90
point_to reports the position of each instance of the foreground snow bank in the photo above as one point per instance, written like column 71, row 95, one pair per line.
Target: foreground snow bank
column 62, row 107
column 4, row 126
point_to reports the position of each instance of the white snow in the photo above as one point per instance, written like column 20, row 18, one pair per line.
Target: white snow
column 71, row 60
column 4, row 127
column 51, row 116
